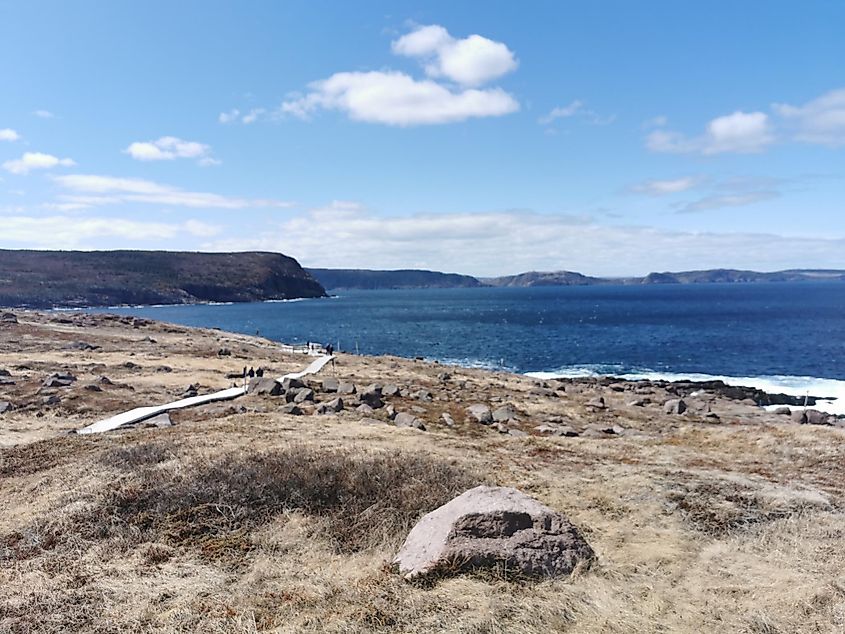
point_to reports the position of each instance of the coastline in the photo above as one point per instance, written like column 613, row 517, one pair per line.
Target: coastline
column 657, row 489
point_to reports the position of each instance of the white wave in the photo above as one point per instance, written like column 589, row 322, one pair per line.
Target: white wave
column 832, row 389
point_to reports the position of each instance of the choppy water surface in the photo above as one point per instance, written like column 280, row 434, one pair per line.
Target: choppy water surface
column 786, row 334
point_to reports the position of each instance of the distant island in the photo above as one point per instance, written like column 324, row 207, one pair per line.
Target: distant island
column 47, row 279
column 337, row 279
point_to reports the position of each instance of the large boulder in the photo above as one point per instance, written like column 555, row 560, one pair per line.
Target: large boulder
column 487, row 527
column 481, row 413
column 404, row 419
column 265, row 386
column 810, row 417
column 674, row 406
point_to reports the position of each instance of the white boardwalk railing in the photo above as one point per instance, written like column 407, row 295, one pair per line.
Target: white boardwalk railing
column 140, row 414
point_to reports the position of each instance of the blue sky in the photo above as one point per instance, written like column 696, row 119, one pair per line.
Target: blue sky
column 612, row 138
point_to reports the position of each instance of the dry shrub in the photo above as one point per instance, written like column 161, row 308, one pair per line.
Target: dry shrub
column 26, row 459
column 720, row 506
column 360, row 500
column 134, row 456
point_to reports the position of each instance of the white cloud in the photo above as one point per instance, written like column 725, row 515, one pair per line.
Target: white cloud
column 821, row 120
column 43, row 114
column 576, row 108
column 511, row 242
column 739, row 132
column 35, row 161
column 72, row 231
column 665, row 187
column 235, row 116
column 727, row 200
column 168, row 148
column 109, row 189
column 7, row 134
column 394, row 98
column 229, row 117
column 470, row 61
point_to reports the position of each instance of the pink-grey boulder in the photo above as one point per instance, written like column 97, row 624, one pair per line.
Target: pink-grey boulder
column 493, row 527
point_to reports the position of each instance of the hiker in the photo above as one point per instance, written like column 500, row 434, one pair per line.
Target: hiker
column 251, row 373
column 329, row 349
column 259, row 372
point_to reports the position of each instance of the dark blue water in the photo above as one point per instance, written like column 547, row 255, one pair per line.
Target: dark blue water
column 744, row 330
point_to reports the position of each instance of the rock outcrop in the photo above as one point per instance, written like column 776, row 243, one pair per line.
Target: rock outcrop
column 489, row 527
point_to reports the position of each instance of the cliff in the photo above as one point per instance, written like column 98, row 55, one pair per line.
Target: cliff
column 406, row 278
column 44, row 279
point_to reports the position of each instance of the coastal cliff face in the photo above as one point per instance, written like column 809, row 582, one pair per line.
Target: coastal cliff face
column 406, row 278
column 45, row 279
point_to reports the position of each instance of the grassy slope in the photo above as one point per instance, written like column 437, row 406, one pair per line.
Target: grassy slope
column 231, row 520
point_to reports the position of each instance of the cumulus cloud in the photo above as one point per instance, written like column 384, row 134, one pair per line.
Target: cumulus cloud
column 820, row 121
column 576, row 108
column 229, row 117
column 64, row 231
column 35, row 161
column 470, row 61
column 7, row 134
column 168, row 148
column 739, row 132
column 666, row 187
column 396, row 98
column 497, row 243
column 110, row 189
column 43, row 114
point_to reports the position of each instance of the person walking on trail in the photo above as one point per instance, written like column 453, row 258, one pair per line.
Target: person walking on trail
column 329, row 349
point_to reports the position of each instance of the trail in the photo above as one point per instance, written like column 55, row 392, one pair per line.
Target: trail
column 143, row 413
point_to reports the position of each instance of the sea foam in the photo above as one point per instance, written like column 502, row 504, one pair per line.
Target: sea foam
column 832, row 389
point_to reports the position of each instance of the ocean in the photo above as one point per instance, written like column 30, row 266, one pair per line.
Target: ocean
column 787, row 337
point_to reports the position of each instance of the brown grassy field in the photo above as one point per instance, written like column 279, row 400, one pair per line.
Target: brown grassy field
column 242, row 519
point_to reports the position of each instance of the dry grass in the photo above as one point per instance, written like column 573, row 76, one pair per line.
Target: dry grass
column 252, row 521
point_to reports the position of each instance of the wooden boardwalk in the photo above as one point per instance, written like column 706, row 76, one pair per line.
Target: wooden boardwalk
column 140, row 414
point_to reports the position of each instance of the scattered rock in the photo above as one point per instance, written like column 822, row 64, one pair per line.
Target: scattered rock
column 162, row 420
column 480, row 413
column 289, row 383
column 391, row 389
column 487, row 527
column 372, row 421
column 447, row 419
column 504, row 414
column 292, row 409
column 444, row 377
column 810, row 417
column 190, row 391
column 500, row 427
column 61, row 379
column 371, row 395
column 330, row 384
column 404, row 419
column 542, row 391
column 104, row 380
column 82, row 345
column 345, row 387
column 518, row 433
column 129, row 365
column 390, row 411
column 9, row 318
column 364, row 409
column 640, row 402
column 422, row 395
column 333, row 406
column 166, row 369
column 51, row 400
column 782, row 411
column 596, row 403
column 674, row 406
column 6, row 406
column 304, row 394
column 264, row 386
column 224, row 352
column 93, row 387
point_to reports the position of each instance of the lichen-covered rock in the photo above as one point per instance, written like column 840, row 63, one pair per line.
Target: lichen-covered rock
column 487, row 527
column 265, row 386
column 480, row 413
column 675, row 406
